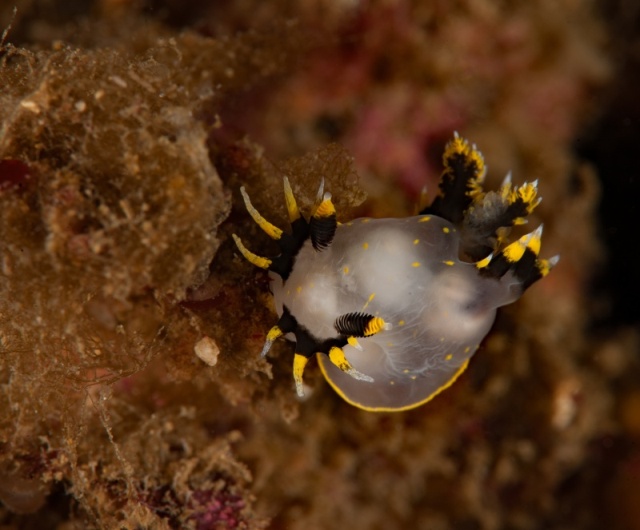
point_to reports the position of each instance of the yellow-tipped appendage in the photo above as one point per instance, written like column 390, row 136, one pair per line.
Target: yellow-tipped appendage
column 271, row 230
column 252, row 258
column 532, row 241
column 545, row 265
column 337, row 357
column 274, row 333
column 515, row 250
column 299, row 362
column 535, row 241
column 527, row 193
column 484, row 262
column 292, row 205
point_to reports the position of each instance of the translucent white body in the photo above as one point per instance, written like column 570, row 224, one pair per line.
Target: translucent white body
column 407, row 272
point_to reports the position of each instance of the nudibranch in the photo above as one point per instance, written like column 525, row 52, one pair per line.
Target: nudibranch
column 395, row 308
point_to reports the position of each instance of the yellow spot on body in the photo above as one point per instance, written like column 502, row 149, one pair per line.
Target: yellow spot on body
column 349, row 223
column 425, row 219
column 445, row 229
column 366, row 220
column 405, row 371
column 401, row 323
column 365, row 246
column 448, row 262
column 345, row 270
column 416, row 241
column 299, row 289
column 392, row 382
column 448, row 357
column 415, row 264
column 467, row 349
column 414, row 377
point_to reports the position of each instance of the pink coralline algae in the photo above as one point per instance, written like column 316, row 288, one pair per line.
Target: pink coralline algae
column 217, row 510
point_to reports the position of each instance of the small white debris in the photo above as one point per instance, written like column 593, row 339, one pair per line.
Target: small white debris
column 565, row 403
column 30, row 105
column 207, row 350
column 116, row 79
column 80, row 106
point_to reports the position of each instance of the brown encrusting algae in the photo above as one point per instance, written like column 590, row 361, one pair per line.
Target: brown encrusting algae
column 132, row 392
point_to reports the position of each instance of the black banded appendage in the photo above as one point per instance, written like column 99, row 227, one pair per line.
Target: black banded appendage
column 323, row 231
column 323, row 224
column 359, row 325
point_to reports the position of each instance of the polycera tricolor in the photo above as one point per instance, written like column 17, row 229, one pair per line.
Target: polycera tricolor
column 396, row 307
